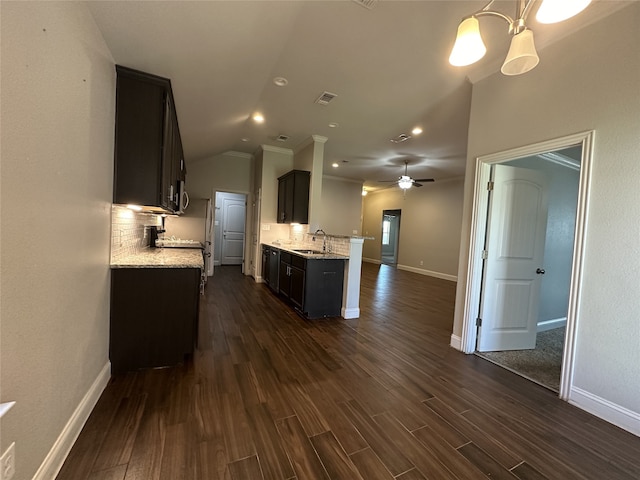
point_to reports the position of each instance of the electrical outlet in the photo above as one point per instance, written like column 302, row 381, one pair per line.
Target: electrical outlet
column 8, row 463
column 421, row 263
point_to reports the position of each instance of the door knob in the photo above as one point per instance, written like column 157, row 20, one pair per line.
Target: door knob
column 540, row 271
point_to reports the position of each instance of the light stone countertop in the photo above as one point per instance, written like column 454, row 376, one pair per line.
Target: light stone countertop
column 162, row 258
column 310, row 256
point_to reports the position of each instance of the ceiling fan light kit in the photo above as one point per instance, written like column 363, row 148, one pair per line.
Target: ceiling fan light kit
column 522, row 57
column 405, row 182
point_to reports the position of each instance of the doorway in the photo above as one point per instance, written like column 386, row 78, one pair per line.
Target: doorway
column 527, row 273
column 230, row 220
column 390, row 236
column 476, row 303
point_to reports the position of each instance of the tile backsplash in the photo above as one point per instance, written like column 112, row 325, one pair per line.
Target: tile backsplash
column 128, row 232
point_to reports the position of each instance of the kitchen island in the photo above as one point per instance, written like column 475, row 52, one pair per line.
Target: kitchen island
column 311, row 280
column 154, row 308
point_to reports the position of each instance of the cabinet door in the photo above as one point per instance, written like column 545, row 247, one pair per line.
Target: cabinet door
column 154, row 316
column 299, row 210
column 138, row 141
column 168, row 152
column 284, row 280
column 266, row 258
column 297, row 286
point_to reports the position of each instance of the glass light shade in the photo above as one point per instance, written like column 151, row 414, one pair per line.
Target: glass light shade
column 469, row 47
column 553, row 11
column 522, row 55
column 405, row 182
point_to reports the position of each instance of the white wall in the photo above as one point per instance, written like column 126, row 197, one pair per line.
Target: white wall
column 589, row 80
column 341, row 206
column 58, row 110
column 228, row 172
column 429, row 226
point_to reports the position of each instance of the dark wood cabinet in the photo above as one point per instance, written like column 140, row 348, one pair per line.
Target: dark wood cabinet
column 154, row 316
column 293, row 197
column 149, row 162
column 312, row 285
column 324, row 280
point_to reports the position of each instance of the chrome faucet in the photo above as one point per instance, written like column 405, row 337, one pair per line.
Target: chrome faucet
column 324, row 239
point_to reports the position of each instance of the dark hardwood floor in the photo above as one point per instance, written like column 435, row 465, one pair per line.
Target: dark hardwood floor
column 269, row 395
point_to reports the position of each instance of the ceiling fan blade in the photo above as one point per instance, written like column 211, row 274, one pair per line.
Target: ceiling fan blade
column 416, row 184
column 424, row 180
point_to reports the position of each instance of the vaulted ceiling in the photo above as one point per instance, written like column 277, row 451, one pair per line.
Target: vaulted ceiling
column 387, row 65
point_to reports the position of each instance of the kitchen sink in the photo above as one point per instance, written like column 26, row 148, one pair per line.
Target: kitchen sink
column 308, row 252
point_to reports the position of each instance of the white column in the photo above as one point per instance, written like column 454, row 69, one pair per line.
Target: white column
column 351, row 290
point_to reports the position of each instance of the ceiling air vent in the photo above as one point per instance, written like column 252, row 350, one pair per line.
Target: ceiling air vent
column 367, row 3
column 325, row 98
column 282, row 138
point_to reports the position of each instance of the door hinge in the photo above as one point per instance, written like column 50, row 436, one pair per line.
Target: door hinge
column 489, row 186
column 485, row 254
column 478, row 322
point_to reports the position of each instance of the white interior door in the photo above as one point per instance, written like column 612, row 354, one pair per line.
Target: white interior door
column 514, row 265
column 233, row 224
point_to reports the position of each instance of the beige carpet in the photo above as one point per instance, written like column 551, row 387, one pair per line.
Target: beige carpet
column 542, row 365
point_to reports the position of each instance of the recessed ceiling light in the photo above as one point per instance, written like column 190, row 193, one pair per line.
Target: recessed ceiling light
column 364, row 192
column 258, row 118
column 280, row 81
column 334, row 125
column 244, row 139
column 416, row 131
column 334, row 165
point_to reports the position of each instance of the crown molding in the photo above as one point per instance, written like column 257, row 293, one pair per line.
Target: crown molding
column 271, row 148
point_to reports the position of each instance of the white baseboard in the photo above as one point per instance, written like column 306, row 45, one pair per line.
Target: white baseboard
column 456, row 342
column 348, row 313
column 422, row 271
column 609, row 411
column 551, row 324
column 371, row 260
column 58, row 454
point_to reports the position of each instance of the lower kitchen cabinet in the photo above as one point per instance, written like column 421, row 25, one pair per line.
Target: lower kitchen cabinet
column 154, row 316
column 312, row 285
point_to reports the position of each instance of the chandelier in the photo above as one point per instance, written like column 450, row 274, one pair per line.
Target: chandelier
column 522, row 56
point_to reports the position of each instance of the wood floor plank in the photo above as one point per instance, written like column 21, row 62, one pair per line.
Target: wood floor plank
column 484, row 462
column 119, row 440
column 247, row 468
column 114, row 473
column 178, row 459
column 524, row 471
column 423, row 458
column 385, row 448
column 383, row 393
column 271, row 452
column 335, row 460
column 484, row 438
column 146, row 457
column 411, row 475
column 449, row 456
column 370, row 466
column 305, row 461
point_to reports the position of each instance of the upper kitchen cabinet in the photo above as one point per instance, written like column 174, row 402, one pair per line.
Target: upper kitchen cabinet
column 149, row 162
column 293, row 197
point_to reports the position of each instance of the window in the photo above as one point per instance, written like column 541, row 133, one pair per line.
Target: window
column 386, row 229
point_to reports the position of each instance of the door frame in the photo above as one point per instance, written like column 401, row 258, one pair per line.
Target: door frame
column 477, row 240
column 217, row 217
column 396, row 233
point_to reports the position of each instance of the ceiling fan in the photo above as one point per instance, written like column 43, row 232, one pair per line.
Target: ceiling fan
column 405, row 181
